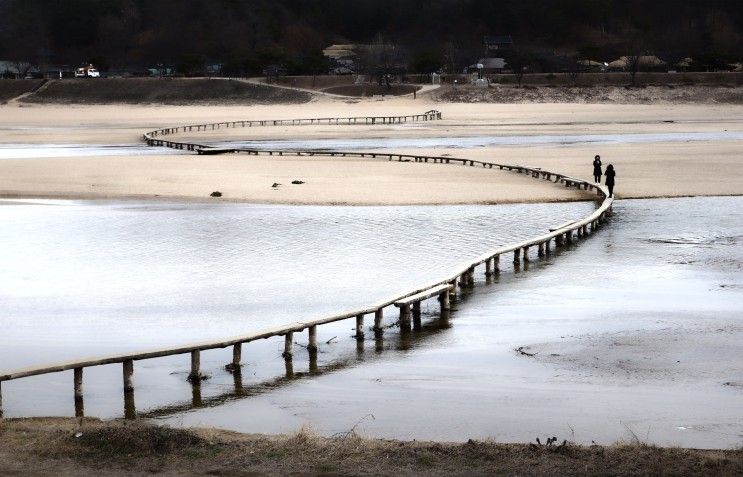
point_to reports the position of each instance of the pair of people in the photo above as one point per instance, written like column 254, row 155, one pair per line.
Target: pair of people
column 610, row 174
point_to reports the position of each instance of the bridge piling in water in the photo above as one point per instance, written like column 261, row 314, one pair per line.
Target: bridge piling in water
column 288, row 345
column 312, row 338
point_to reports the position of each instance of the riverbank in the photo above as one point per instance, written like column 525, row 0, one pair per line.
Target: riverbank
column 645, row 169
column 653, row 94
column 65, row 447
column 166, row 91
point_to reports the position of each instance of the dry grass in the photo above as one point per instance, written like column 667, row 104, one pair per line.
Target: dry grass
column 50, row 446
column 591, row 94
column 172, row 91
column 11, row 88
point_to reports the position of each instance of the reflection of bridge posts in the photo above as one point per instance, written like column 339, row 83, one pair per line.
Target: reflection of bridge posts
column 289, row 367
column 417, row 316
column 378, row 341
column 444, row 319
column 237, row 377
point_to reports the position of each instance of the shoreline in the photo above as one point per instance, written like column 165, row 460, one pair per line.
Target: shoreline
column 71, row 446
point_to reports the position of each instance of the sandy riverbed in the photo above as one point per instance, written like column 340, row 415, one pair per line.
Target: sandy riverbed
column 644, row 169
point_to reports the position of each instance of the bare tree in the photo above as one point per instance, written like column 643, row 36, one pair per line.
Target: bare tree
column 451, row 56
column 379, row 60
column 22, row 67
column 633, row 66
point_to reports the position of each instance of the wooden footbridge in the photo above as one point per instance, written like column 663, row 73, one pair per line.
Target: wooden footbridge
column 408, row 302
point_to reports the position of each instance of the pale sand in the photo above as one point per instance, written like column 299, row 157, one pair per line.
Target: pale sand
column 643, row 170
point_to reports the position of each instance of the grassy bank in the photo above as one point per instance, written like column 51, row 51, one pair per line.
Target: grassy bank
column 590, row 94
column 171, row 91
column 11, row 88
column 68, row 447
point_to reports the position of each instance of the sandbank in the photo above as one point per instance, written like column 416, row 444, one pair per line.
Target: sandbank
column 644, row 169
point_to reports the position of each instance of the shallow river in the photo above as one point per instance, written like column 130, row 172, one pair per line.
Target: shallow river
column 26, row 151
column 84, row 278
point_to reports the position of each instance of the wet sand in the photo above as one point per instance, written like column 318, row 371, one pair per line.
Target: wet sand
column 644, row 170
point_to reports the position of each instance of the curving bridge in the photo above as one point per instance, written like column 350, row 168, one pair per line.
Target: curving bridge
column 408, row 302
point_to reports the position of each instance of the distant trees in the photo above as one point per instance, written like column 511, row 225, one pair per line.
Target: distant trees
column 238, row 33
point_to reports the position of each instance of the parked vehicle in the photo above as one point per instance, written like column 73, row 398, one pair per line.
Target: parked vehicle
column 87, row 72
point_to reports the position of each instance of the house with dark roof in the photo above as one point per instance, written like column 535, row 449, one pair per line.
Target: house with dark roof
column 495, row 43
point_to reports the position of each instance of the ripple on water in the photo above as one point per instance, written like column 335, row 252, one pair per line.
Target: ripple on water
column 187, row 272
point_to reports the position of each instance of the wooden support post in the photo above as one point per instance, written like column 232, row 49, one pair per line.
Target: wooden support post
column 471, row 276
column 195, row 374
column 78, row 380
column 288, row 345
column 455, row 288
column 128, row 366
column 312, row 339
column 569, row 236
column 417, row 315
column 526, row 253
column 405, row 317
column 488, row 267
column 547, row 247
column 359, row 327
column 444, row 300
column 540, row 249
column 516, row 258
column 237, row 356
column 496, row 264
column 378, row 317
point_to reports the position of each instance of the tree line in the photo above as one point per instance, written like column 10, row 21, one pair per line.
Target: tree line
column 247, row 35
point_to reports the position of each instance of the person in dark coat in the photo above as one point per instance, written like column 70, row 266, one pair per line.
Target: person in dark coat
column 610, row 174
column 597, row 169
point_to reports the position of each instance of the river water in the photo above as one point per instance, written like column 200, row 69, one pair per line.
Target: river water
column 26, row 151
column 638, row 328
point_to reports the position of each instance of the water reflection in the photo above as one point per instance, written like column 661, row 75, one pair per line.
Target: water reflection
column 402, row 341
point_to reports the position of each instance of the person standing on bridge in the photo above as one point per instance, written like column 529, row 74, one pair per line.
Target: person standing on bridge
column 597, row 169
column 610, row 174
